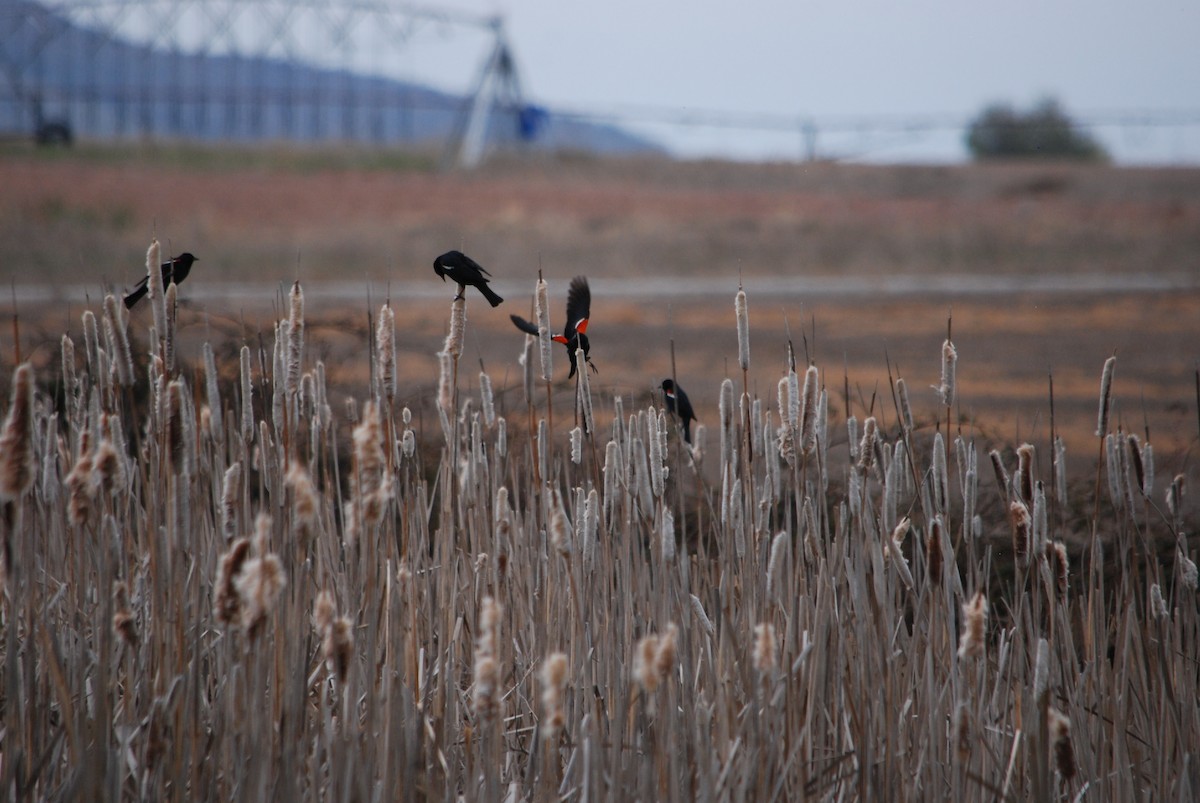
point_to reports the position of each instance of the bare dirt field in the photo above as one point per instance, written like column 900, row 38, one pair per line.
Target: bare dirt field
column 1046, row 270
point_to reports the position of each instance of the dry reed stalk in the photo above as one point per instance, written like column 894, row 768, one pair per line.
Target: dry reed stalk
column 171, row 303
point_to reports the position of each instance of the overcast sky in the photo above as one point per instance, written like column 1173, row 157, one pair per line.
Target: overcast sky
column 830, row 60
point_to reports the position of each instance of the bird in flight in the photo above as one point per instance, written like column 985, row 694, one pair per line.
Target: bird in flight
column 174, row 271
column 465, row 271
column 579, row 309
column 678, row 402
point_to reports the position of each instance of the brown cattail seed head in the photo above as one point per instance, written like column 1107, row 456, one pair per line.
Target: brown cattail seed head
column 324, row 611
column 1025, row 472
column 644, row 664
column 1105, row 394
column 554, row 680
column 486, row 698
column 1064, row 750
column 949, row 361
column 123, row 622
column 1018, row 516
column 664, row 657
column 227, row 603
column 743, row 329
column 765, row 657
column 259, row 584
column 338, row 647
column 16, row 440
column 1060, row 566
column 974, row 627
column 295, row 345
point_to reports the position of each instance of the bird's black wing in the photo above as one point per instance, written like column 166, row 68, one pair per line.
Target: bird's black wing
column 524, row 325
column 579, row 307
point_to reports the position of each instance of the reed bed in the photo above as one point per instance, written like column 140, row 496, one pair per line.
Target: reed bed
column 221, row 590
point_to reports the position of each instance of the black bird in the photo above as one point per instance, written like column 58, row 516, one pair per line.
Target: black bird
column 579, row 309
column 466, row 271
column 174, row 271
column 677, row 400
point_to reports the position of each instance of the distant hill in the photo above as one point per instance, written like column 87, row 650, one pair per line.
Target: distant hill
column 106, row 88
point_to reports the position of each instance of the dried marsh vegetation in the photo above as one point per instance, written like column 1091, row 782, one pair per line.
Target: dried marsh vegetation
column 232, row 590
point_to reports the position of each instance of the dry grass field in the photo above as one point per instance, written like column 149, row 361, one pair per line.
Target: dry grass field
column 301, row 528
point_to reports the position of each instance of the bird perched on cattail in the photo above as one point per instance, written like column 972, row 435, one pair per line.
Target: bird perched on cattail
column 174, row 271
column 678, row 402
column 466, row 272
column 579, row 309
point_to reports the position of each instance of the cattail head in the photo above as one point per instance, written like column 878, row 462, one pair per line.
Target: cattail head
column 368, row 447
column 16, row 439
column 114, row 329
column 1187, row 571
column 123, row 622
column 560, row 528
column 305, row 500
column 664, row 655
column 962, row 731
column 975, row 613
column 949, row 361
column 337, row 646
column 485, row 698
column 643, row 664
column 866, row 447
column 259, row 584
column 1158, row 604
column 906, row 416
column 247, row 396
column 1025, row 472
column 486, row 401
column 227, row 603
column 1060, row 566
column 385, row 352
column 765, row 658
column 231, row 490
column 743, row 329
column 445, row 397
column 1022, row 525
column 154, row 286
column 1041, row 669
column 295, row 343
column 324, row 611
column 1105, row 396
column 1064, row 750
column 808, row 415
column 458, row 327
column 554, row 681
column 542, row 312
